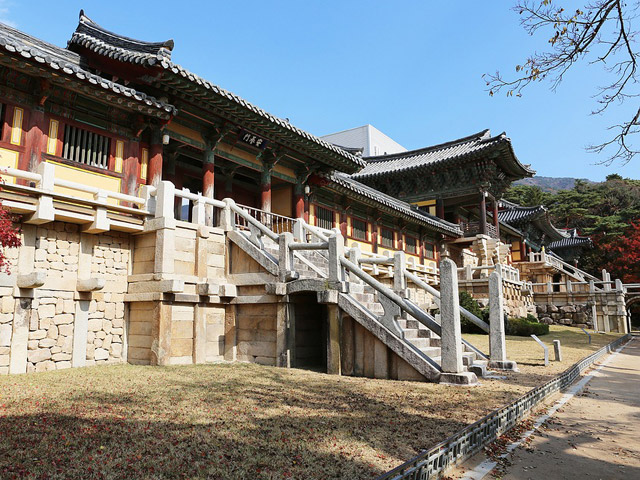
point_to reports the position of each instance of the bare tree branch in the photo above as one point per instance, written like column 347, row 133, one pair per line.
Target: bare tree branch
column 601, row 32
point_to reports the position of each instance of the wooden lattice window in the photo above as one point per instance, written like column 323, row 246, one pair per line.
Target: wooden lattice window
column 429, row 251
column 359, row 229
column 84, row 146
column 410, row 244
column 324, row 218
column 386, row 238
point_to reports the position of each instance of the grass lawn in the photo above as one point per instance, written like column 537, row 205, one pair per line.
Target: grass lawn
column 239, row 421
column 530, row 356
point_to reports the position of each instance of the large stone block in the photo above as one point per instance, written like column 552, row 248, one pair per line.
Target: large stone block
column 94, row 324
column 5, row 334
column 40, row 355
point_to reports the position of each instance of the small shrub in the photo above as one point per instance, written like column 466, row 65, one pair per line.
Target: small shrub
column 524, row 327
column 469, row 303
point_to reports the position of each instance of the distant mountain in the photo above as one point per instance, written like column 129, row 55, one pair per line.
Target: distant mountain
column 551, row 184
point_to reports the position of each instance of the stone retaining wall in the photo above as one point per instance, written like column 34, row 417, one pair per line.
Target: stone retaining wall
column 54, row 325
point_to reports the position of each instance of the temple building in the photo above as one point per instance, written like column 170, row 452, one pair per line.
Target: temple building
column 165, row 220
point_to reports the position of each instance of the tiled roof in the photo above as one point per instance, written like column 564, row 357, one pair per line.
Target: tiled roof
column 92, row 36
column 515, row 214
column 350, row 187
column 68, row 63
column 572, row 240
column 427, row 158
column 519, row 215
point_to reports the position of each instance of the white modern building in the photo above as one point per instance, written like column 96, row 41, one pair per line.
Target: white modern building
column 368, row 139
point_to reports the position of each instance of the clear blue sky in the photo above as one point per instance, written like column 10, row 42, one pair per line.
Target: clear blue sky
column 411, row 68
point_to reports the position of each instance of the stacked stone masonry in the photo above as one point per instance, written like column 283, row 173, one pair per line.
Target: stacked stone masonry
column 40, row 327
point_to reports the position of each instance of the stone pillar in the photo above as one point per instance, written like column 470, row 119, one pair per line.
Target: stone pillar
column 80, row 332
column 161, row 334
column 483, row 214
column 18, row 354
column 230, row 333
column 199, row 333
column 283, row 357
column 450, row 315
column 557, row 351
column 497, row 345
column 208, row 176
column 155, row 157
column 334, row 327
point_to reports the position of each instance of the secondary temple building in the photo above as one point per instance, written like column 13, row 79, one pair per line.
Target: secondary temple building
column 165, row 220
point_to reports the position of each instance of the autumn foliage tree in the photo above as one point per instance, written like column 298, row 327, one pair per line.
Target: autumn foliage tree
column 625, row 255
column 9, row 236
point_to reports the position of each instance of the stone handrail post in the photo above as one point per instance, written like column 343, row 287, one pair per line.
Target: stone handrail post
column 285, row 256
column 149, row 200
column 399, row 279
column 199, row 214
column 354, row 257
column 227, row 218
column 100, row 220
column 165, row 199
column 497, row 345
column 298, row 230
column 336, row 251
column 44, row 209
column 549, row 287
column 451, row 335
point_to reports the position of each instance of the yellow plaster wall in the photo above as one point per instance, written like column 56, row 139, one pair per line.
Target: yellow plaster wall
column 281, row 201
column 8, row 158
column 84, row 177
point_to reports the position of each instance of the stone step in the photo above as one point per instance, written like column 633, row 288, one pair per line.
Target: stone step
column 468, row 358
column 416, row 333
column 420, row 342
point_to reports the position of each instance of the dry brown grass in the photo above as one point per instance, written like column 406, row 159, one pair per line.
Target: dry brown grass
column 234, row 421
column 530, row 356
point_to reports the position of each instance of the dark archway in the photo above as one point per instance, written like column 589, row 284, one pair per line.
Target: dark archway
column 309, row 338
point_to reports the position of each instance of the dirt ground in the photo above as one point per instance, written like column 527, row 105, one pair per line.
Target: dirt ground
column 596, row 435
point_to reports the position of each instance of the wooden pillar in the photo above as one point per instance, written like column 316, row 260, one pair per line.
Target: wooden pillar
column 298, row 198
column 155, row 157
column 523, row 250
column 374, row 233
column 483, row 214
column 34, row 140
column 343, row 220
column 440, row 208
column 208, row 177
column 496, row 220
column 265, row 188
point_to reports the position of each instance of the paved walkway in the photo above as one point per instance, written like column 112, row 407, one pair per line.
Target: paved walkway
column 594, row 436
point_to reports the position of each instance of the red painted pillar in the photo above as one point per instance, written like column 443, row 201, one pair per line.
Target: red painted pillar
column 374, row 236
column 208, row 177
column 265, row 189
column 155, row 158
column 34, row 140
column 523, row 250
column 298, row 200
column 483, row 214
column 343, row 223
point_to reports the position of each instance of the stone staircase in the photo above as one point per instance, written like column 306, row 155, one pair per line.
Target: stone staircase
column 313, row 264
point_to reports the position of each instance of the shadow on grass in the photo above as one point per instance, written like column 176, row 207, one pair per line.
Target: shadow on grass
column 215, row 422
